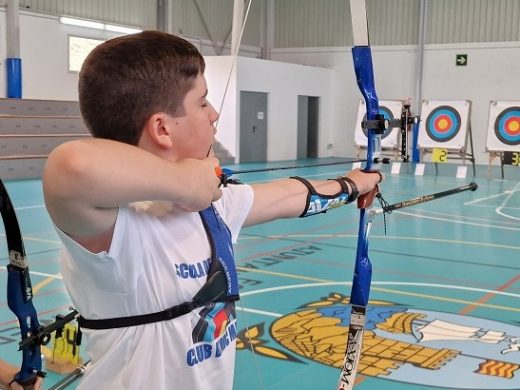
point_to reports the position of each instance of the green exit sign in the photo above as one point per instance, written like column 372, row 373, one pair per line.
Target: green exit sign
column 461, row 59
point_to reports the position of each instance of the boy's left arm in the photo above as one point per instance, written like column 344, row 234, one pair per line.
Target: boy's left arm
column 287, row 198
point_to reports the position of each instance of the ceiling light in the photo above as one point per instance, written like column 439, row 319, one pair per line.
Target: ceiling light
column 82, row 23
column 121, row 29
column 97, row 25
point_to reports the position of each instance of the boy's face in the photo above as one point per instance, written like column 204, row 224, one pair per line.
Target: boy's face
column 194, row 133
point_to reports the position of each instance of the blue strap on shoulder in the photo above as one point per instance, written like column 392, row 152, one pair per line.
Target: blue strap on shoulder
column 221, row 248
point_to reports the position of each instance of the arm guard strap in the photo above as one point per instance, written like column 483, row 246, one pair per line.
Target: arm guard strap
column 319, row 203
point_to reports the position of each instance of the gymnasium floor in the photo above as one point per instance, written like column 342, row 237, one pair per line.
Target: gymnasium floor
column 445, row 298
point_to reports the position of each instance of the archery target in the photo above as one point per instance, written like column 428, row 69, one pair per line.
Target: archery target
column 443, row 124
column 504, row 126
column 390, row 109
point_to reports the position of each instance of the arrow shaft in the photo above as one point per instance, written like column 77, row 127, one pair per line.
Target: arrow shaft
column 423, row 199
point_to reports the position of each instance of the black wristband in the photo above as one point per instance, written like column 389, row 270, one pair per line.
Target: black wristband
column 344, row 187
column 353, row 189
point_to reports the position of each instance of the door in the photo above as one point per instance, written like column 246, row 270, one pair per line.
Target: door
column 303, row 126
column 308, row 132
column 253, row 126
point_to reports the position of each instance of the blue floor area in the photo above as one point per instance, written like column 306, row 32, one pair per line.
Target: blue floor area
column 445, row 298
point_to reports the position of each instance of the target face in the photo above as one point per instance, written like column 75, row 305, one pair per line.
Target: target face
column 507, row 126
column 385, row 111
column 443, row 123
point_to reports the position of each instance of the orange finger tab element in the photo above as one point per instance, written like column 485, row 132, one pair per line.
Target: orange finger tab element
column 218, row 171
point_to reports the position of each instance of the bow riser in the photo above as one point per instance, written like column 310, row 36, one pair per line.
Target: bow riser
column 362, row 58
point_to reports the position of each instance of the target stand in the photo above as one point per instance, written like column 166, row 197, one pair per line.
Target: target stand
column 445, row 131
column 391, row 110
column 503, row 140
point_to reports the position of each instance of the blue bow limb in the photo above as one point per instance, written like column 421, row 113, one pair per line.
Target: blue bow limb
column 19, row 285
column 19, row 293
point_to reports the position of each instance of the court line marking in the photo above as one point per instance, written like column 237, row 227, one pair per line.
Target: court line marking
column 432, row 297
column 39, row 206
column 488, row 296
column 466, row 217
column 326, row 282
column 487, row 198
column 31, row 238
column 54, row 276
column 503, row 206
column 38, row 286
column 499, row 211
column 40, row 314
column 457, row 222
column 474, row 201
column 457, row 242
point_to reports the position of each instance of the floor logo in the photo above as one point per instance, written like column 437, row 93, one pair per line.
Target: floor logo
column 400, row 344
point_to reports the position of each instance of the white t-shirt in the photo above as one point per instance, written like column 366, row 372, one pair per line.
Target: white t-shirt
column 155, row 262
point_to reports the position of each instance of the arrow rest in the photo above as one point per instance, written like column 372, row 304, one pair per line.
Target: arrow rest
column 379, row 124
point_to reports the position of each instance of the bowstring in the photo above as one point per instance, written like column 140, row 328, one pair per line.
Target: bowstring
column 234, row 56
column 221, row 107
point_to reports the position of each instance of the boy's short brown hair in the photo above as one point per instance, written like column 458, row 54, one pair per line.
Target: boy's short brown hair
column 127, row 79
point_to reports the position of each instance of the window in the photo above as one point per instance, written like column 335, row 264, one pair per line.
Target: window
column 78, row 51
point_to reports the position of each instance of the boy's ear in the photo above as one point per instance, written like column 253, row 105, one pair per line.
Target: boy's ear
column 159, row 130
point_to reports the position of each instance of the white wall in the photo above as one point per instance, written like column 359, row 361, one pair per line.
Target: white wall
column 492, row 73
column 220, row 70
column 45, row 75
column 44, row 53
column 283, row 82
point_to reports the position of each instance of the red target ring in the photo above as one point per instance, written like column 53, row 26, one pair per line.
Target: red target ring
column 507, row 126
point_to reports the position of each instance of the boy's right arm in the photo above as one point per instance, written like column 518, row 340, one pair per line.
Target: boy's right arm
column 85, row 182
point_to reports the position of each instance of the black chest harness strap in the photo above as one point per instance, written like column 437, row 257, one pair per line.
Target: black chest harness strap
column 221, row 284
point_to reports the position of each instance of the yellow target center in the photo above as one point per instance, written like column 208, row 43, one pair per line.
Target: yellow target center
column 443, row 124
column 515, row 126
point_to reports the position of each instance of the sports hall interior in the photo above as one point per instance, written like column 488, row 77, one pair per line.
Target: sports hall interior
column 445, row 292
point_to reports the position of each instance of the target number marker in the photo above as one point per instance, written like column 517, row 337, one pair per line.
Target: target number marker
column 439, row 155
column 512, row 158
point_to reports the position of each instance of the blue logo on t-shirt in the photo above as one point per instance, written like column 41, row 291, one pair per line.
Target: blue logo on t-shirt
column 192, row 271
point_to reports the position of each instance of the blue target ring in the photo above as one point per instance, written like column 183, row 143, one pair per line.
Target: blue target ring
column 443, row 123
column 507, row 126
column 387, row 114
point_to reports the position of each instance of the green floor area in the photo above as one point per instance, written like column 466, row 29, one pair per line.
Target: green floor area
column 445, row 298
